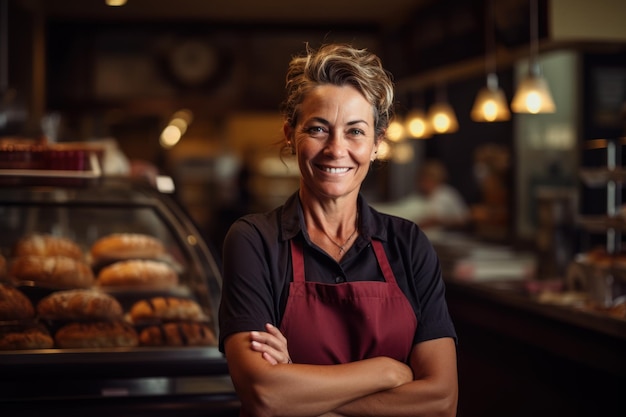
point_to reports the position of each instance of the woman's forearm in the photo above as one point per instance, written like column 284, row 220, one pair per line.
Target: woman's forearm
column 417, row 398
column 306, row 390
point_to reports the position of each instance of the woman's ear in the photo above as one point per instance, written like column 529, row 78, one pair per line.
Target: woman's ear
column 288, row 133
column 374, row 154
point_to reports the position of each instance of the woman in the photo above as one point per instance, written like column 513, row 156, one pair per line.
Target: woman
column 329, row 307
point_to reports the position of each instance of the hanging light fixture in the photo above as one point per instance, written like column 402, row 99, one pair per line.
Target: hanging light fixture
column 441, row 114
column 395, row 130
column 416, row 123
column 490, row 104
column 533, row 94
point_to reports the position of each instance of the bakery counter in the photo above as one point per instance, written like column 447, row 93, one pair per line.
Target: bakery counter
column 108, row 303
column 135, row 362
column 529, row 357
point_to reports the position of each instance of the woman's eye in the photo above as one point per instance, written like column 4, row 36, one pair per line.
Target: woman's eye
column 357, row 132
column 315, row 130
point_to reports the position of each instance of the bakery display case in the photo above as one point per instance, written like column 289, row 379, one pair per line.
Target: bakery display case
column 108, row 301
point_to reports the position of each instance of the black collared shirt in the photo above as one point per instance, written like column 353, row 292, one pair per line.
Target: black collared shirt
column 257, row 268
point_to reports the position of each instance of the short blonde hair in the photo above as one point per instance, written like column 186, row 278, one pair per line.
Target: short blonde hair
column 340, row 64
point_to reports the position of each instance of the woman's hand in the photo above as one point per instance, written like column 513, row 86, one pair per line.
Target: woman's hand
column 271, row 344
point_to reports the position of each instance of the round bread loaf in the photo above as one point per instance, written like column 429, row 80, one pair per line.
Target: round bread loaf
column 47, row 245
column 166, row 309
column 80, row 304
column 34, row 338
column 14, row 305
column 138, row 273
column 178, row 334
column 101, row 334
column 127, row 246
column 52, row 271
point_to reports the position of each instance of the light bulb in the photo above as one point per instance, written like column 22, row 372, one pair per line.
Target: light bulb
column 395, row 131
column 417, row 125
column 441, row 122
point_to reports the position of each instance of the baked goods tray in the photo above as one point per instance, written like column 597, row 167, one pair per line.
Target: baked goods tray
column 113, row 362
column 93, row 172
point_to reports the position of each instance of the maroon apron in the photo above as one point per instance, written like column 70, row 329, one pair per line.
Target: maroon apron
column 338, row 323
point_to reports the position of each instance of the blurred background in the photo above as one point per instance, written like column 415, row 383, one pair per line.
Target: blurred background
column 81, row 70
column 190, row 90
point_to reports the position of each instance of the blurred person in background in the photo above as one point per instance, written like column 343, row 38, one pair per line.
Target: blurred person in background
column 442, row 205
column 328, row 307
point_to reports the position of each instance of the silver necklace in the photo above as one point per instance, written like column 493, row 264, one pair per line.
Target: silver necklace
column 342, row 248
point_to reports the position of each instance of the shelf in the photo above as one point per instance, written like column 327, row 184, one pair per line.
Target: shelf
column 599, row 177
column 93, row 172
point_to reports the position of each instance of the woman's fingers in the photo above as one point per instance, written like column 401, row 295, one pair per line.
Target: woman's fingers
column 272, row 344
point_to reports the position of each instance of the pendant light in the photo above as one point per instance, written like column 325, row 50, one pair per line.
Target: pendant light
column 416, row 123
column 490, row 104
column 441, row 114
column 533, row 94
column 395, row 130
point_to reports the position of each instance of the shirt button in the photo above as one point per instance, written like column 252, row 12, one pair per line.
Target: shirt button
column 339, row 280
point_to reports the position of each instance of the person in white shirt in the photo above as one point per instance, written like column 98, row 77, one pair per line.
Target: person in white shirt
column 443, row 206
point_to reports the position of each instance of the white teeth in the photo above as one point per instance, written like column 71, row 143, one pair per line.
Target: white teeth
column 336, row 170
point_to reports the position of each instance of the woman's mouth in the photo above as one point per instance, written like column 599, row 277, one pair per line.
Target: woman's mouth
column 333, row 170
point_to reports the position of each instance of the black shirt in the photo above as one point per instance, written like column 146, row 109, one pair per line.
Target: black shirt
column 257, row 268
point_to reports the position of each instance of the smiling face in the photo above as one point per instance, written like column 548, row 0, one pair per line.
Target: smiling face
column 335, row 141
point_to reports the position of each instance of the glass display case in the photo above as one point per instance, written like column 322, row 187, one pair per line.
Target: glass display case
column 180, row 375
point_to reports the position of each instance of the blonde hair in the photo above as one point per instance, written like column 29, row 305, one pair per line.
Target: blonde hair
column 340, row 65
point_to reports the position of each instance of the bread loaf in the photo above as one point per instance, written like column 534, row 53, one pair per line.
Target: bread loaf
column 177, row 334
column 119, row 246
column 53, row 271
column 138, row 273
column 47, row 245
column 166, row 309
column 35, row 338
column 96, row 335
column 80, row 304
column 14, row 305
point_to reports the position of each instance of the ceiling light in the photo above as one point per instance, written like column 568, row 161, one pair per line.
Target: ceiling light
column 441, row 115
column 395, row 131
column 442, row 118
column 490, row 104
column 115, row 3
column 417, row 125
column 533, row 93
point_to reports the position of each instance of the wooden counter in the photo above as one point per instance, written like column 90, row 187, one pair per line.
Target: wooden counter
column 519, row 357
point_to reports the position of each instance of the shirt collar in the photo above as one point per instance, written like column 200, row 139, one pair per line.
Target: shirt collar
column 292, row 223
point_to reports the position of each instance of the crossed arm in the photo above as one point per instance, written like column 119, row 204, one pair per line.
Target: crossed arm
column 268, row 385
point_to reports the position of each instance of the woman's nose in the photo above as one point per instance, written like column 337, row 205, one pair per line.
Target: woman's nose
column 336, row 144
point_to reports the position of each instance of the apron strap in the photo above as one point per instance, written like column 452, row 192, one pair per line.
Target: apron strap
column 383, row 262
column 297, row 259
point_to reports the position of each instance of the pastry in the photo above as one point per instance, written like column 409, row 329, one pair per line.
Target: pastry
column 35, row 338
column 47, row 245
column 138, row 273
column 96, row 335
column 120, row 246
column 80, row 304
column 14, row 305
column 53, row 271
column 166, row 309
column 177, row 334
